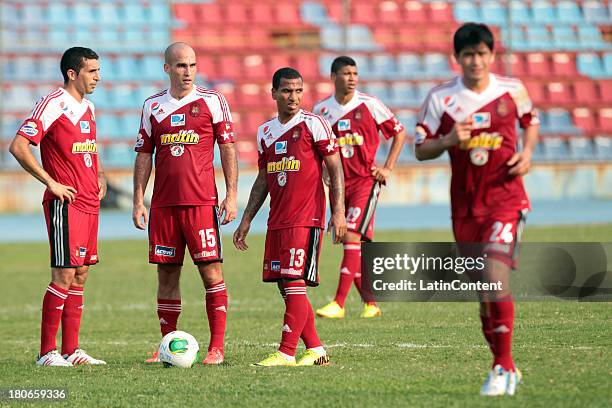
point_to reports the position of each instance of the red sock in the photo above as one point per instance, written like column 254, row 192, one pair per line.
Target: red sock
column 485, row 320
column 168, row 311
column 309, row 334
column 216, row 309
column 502, row 324
column 364, row 295
column 71, row 319
column 351, row 264
column 52, row 307
column 296, row 314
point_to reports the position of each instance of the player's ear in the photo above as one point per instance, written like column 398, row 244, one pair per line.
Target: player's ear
column 273, row 93
column 72, row 74
column 333, row 76
column 166, row 68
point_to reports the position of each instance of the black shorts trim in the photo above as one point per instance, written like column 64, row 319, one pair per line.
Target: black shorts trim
column 370, row 209
column 59, row 234
column 311, row 268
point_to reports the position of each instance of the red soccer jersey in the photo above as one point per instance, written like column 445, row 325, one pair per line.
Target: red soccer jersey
column 292, row 154
column 356, row 126
column 66, row 132
column 182, row 133
column 480, row 181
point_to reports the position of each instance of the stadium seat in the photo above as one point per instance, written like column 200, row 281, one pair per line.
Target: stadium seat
column 58, row 14
column 538, row 37
column 129, row 125
column 251, row 95
column 585, row 91
column 18, row 97
column 590, row 38
column 564, row 37
column 127, row 68
column 519, row 12
column 32, row 14
column 542, row 12
column 409, row 65
column 287, row 13
column 331, row 37
column 515, row 38
column 410, row 38
column 563, row 65
column 8, row 13
column 363, row 12
column 440, row 12
column 603, row 148
column 363, row 66
column 605, row 120
column 209, row 13
column 568, row 12
column 186, row 13
column 408, row 119
column 423, row 89
column 335, row 11
column 466, row 11
column 383, row 66
column 101, row 98
column 389, row 13
column 235, row 12
column 379, row 90
column 158, row 14
column 133, row 14
column 262, row 13
column 9, row 126
column 83, row 14
column 146, row 90
column 538, row 65
column 118, row 155
column 584, row 119
column 382, row 152
column 308, row 66
column 25, row 68
column 107, row 127
column 559, row 93
column 314, row 13
column 124, row 97
column 152, row 68
column 403, row 94
column 254, row 67
column 108, row 14
column 559, row 121
column 594, row 11
column 360, row 38
column 279, row 60
column 607, row 64
column 580, row 149
column 436, row 66
column 554, row 149
column 536, row 91
column 590, row 65
column 493, row 13
column 415, row 12
column 605, row 90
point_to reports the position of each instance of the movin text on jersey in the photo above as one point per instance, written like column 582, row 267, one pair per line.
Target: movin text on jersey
column 489, row 141
column 286, row 164
column 182, row 137
column 88, row 146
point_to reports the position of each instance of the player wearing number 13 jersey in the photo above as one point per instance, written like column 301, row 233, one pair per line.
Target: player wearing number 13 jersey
column 181, row 126
column 473, row 117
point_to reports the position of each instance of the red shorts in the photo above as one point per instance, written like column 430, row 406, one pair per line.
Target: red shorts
column 360, row 203
column 293, row 253
column 73, row 235
column 170, row 228
column 500, row 232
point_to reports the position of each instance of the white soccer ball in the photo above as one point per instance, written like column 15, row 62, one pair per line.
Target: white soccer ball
column 178, row 349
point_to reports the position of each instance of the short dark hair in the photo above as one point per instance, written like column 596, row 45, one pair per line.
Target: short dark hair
column 341, row 62
column 472, row 34
column 287, row 73
column 73, row 58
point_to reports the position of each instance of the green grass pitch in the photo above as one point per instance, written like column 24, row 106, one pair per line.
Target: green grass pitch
column 417, row 354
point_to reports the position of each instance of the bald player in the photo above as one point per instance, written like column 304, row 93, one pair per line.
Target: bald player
column 180, row 126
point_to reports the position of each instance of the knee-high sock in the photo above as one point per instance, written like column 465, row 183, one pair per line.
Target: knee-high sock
column 71, row 319
column 216, row 309
column 52, row 308
column 309, row 334
column 485, row 320
column 502, row 324
column 351, row 264
column 296, row 314
column 168, row 312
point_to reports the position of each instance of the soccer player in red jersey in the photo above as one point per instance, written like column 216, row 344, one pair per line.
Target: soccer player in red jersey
column 63, row 123
column 357, row 119
column 181, row 125
column 473, row 117
column 292, row 148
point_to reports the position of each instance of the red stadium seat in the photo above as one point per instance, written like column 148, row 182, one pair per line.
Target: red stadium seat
column 563, row 65
column 308, row 65
column 585, row 91
column 537, row 65
column 209, row 13
column 335, row 11
column 605, row 90
column 279, row 61
column 441, row 12
column 251, row 95
column 187, row 13
column 410, row 38
column 536, row 91
column 559, row 93
column 287, row 13
column 389, row 12
column 436, row 38
column 258, row 37
column 207, row 38
column 385, row 36
column 414, row 12
column 207, row 66
column 605, row 120
column 584, row 119
column 262, row 13
column 183, row 34
column 235, row 12
column 363, row 12
column 517, row 64
column 230, row 66
column 255, row 67
column 234, row 37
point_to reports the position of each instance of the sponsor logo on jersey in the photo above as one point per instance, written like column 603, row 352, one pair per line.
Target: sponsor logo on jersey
column 154, row 106
column 63, row 106
column 88, row 146
column 182, row 137
column 164, row 250
column 481, row 120
column 81, row 252
column 29, row 129
column 351, row 139
column 485, row 140
column 139, row 141
column 275, row 266
column 266, row 130
column 344, row 124
column 177, row 119
column 93, row 258
column 449, row 101
column 205, row 254
column 177, row 150
column 85, row 128
column 280, row 147
column 285, row 164
column 292, row 271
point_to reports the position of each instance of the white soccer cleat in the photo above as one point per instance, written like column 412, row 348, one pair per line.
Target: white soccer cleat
column 53, row 359
column 81, row 357
column 501, row 382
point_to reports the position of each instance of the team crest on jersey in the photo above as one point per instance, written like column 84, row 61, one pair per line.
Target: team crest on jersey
column 357, row 114
column 481, row 120
column 177, row 119
column 479, row 156
column 85, row 128
column 281, row 178
column 502, row 107
column 177, row 150
column 195, row 110
column 348, row 151
column 280, row 147
column 296, row 134
column 29, row 129
column 344, row 124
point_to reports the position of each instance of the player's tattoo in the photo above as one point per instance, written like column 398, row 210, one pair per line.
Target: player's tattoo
column 336, row 175
column 230, row 168
column 258, row 195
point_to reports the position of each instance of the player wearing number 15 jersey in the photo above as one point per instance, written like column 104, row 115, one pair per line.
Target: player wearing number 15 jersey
column 181, row 125
column 292, row 148
column 473, row 117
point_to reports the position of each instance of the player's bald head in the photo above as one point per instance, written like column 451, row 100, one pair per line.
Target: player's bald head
column 175, row 50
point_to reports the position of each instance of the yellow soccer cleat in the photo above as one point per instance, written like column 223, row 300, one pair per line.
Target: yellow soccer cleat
column 312, row 358
column 371, row 311
column 275, row 360
column 331, row 311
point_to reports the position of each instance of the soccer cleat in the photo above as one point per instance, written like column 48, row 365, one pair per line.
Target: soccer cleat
column 274, row 360
column 371, row 311
column 312, row 358
column 81, row 357
column 501, row 382
column 154, row 358
column 214, row 357
column 331, row 311
column 53, row 359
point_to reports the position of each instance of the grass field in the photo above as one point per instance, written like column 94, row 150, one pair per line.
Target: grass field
column 417, row 354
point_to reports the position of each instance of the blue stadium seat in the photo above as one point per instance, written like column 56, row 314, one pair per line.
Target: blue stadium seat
column 135, row 40
column 133, row 14
column 59, row 36
column 559, row 121
column 590, row 65
column 10, row 40
column 607, row 64
column 436, row 66
column 407, row 154
column 408, row 119
column 363, row 66
column 101, row 97
column 83, row 14
column 409, row 65
column 130, row 124
column 109, row 40
column 49, row 68
column 108, row 14
column 325, row 61
column 8, row 70
column 590, row 37
column 25, row 68
column 107, row 126
column 85, row 38
column 519, row 12
column 382, row 152
column 466, row 11
column 379, row 90
column 423, row 89
column 159, row 14
column 153, row 67
column 32, row 15
column 124, row 97
column 404, row 94
column 58, row 13
column 314, row 13
column 331, row 37
column 383, row 66
column 564, row 37
column 580, row 149
column 542, row 12
column 118, row 155
column 18, row 97
column 494, row 13
column 360, row 38
column 516, row 38
column 145, row 91
column 595, row 12
column 603, row 148
column 538, row 38
column 126, row 68
column 568, row 12
column 8, row 13
column 554, row 149
column 10, row 125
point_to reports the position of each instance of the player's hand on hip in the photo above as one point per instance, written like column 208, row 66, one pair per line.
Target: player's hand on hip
column 62, row 192
column 102, row 187
column 240, row 236
column 140, row 216
column 228, row 209
column 519, row 163
column 337, row 224
column 381, row 173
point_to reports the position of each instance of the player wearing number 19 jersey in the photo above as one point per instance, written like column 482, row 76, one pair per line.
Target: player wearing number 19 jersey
column 292, row 148
column 473, row 117
column 181, row 126
column 357, row 119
